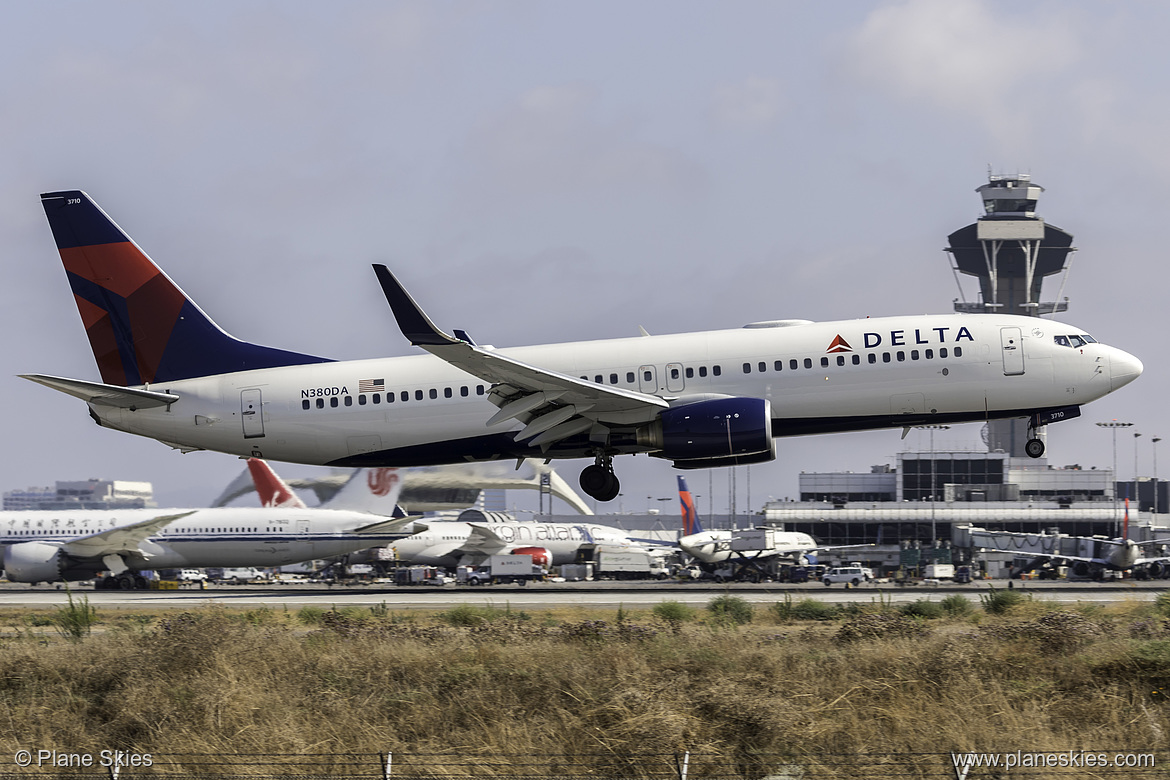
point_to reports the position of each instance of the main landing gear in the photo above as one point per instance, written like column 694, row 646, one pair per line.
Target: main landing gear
column 1034, row 447
column 598, row 481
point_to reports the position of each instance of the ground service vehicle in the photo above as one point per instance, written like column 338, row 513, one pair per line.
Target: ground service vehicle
column 853, row 575
column 629, row 565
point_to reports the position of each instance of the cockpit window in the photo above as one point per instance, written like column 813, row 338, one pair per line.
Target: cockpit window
column 1089, row 339
column 1077, row 341
column 1074, row 341
column 1062, row 341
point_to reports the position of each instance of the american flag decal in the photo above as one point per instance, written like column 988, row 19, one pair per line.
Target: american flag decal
column 371, row 385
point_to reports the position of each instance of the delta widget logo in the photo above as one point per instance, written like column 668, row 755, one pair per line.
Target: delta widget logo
column 839, row 345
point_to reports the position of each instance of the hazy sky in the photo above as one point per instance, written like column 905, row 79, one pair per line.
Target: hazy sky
column 560, row 171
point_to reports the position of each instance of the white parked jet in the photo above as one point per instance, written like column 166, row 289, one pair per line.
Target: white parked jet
column 699, row 400
column 49, row 546
column 452, row 543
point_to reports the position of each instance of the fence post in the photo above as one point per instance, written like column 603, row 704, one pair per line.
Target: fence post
column 685, row 765
column 386, row 767
column 114, row 769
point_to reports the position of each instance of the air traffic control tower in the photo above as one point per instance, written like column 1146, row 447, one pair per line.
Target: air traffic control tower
column 1011, row 251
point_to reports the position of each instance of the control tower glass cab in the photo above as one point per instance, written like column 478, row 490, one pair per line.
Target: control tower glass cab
column 1010, row 250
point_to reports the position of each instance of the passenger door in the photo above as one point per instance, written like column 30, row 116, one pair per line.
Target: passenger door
column 1012, row 345
column 252, row 413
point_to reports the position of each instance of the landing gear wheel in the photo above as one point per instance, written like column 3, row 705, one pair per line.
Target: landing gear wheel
column 1034, row 448
column 600, row 482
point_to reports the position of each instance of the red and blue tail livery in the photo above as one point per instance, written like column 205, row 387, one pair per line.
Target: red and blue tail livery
column 142, row 328
column 690, row 517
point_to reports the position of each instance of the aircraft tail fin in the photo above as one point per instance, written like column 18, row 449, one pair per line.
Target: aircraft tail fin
column 142, row 328
column 273, row 490
column 690, row 517
column 374, row 491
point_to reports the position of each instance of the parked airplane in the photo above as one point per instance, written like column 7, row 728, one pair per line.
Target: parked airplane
column 452, row 543
column 699, row 400
column 1088, row 556
column 48, row 546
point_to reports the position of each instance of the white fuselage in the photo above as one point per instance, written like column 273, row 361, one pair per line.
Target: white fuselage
column 257, row 537
column 715, row 546
column 451, row 544
column 894, row 372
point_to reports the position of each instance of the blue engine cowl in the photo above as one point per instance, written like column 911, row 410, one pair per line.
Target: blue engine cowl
column 715, row 429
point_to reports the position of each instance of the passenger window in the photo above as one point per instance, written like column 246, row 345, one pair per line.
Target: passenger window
column 702, row 371
column 856, row 360
column 362, row 399
column 349, row 400
column 674, row 373
column 647, row 376
column 840, row 360
column 824, row 362
column 808, row 362
column 763, row 366
column 418, row 395
column 930, row 354
column 305, row 404
column 463, row 391
column 747, row 368
column 613, row 378
column 901, row 356
column 690, row 373
column 630, row 377
column 333, row 402
column 778, row 365
column 716, row 370
column 390, row 398
column 872, row 357
column 913, row 354
column 447, row 392
column 885, row 357
column 404, row 395
column 377, row 398
column 942, row 352
column 320, row 403
column 598, row 379
column 479, row 389
column 434, row 393
column 958, row 352
column 792, row 364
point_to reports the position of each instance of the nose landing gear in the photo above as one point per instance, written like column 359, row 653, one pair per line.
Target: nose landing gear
column 598, row 481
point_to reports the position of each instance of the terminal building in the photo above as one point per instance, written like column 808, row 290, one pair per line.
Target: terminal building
column 90, row 494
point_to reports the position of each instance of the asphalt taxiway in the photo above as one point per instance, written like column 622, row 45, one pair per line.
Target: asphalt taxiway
column 548, row 595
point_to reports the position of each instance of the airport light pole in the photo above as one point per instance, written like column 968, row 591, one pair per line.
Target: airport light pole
column 1154, row 446
column 1114, row 425
column 932, row 427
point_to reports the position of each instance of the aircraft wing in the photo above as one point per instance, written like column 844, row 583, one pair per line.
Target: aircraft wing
column 484, row 539
column 553, row 405
column 122, row 539
column 107, row 395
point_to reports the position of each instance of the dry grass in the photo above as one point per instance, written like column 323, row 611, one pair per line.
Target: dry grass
column 582, row 683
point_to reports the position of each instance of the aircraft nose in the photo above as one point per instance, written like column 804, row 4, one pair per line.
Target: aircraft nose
column 1123, row 369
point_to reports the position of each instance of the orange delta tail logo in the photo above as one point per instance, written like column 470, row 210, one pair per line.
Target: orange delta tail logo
column 381, row 481
column 839, row 345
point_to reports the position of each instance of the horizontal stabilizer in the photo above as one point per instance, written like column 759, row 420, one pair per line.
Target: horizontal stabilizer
column 106, row 395
column 387, row 526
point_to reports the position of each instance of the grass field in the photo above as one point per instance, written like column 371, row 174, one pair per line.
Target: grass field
column 789, row 683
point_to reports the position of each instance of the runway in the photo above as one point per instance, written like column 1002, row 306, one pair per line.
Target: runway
column 549, row 595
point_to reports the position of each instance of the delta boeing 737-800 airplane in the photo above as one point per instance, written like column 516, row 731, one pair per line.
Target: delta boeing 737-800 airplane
column 699, row 400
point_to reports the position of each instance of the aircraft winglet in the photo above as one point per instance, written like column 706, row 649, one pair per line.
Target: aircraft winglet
column 413, row 321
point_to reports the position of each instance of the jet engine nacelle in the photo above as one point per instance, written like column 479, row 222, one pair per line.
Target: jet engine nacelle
column 34, row 562
column 713, row 432
column 541, row 556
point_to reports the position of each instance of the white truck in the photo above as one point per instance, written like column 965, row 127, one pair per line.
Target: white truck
column 501, row 569
column 630, row 565
column 939, row 571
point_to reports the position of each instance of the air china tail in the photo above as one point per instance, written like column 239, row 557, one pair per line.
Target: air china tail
column 272, row 490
